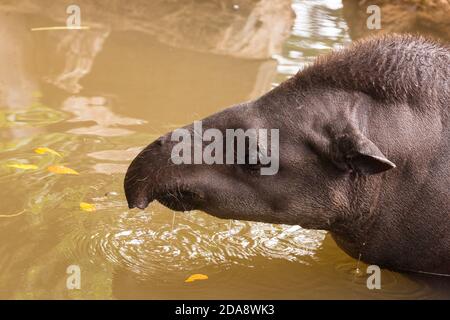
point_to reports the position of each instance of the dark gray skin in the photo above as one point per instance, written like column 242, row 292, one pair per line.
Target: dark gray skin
column 364, row 154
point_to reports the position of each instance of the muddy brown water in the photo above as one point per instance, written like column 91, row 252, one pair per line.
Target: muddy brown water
column 97, row 97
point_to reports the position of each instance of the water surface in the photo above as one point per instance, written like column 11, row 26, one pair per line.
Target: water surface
column 97, row 97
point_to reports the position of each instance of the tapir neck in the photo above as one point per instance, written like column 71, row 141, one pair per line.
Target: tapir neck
column 404, row 232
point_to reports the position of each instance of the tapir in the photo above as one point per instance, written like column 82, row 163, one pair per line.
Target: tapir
column 363, row 153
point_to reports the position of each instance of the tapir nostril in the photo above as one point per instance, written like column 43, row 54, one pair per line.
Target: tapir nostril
column 137, row 199
column 136, row 191
column 139, row 179
column 141, row 203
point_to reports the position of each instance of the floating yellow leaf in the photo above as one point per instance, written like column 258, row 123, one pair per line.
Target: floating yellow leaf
column 43, row 150
column 87, row 207
column 61, row 170
column 195, row 277
column 23, row 166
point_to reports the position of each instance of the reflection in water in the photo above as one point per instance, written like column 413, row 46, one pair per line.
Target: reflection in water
column 94, row 109
column 16, row 84
column 98, row 96
column 318, row 28
column 79, row 50
column 241, row 28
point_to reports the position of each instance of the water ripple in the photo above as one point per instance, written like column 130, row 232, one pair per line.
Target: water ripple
column 146, row 244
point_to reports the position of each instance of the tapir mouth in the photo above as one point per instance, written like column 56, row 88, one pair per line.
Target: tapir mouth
column 177, row 199
column 180, row 200
column 139, row 199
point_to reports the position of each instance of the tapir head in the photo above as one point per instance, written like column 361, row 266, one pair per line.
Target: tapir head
column 310, row 148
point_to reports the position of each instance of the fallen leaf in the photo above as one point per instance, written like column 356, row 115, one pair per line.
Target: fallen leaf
column 12, row 215
column 195, row 277
column 23, row 166
column 87, row 207
column 61, row 170
column 44, row 150
column 60, row 28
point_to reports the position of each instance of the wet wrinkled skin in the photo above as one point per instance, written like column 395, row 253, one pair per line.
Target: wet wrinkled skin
column 364, row 153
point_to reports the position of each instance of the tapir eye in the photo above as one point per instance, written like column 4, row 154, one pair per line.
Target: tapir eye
column 247, row 157
column 252, row 167
column 252, row 162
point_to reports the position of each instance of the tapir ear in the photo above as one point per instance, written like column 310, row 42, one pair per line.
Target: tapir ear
column 356, row 152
